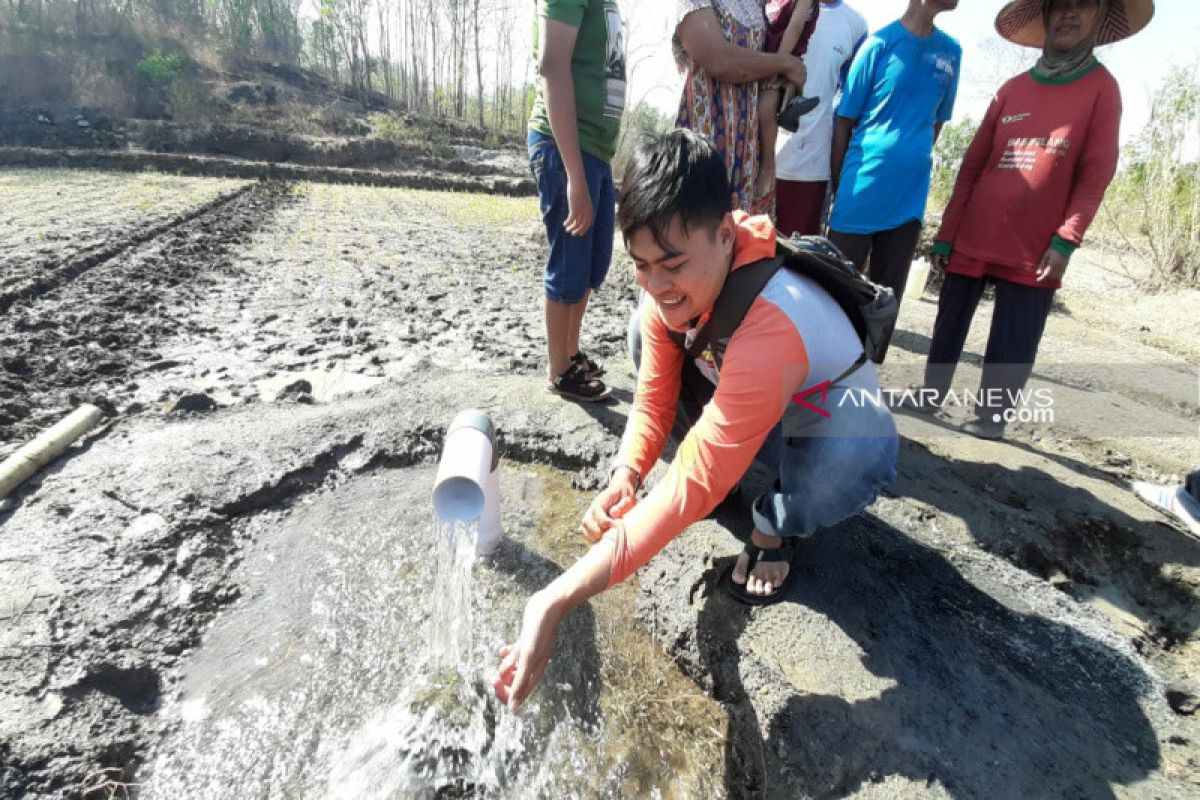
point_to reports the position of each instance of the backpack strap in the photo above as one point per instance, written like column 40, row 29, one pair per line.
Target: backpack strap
column 741, row 288
column 850, row 370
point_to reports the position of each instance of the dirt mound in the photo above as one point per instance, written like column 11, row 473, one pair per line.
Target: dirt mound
column 57, row 127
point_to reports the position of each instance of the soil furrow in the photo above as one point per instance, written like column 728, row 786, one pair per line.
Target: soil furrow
column 80, row 341
column 217, row 167
column 54, row 275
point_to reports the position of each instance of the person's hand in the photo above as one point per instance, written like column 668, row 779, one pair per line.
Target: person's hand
column 1053, row 266
column 794, row 71
column 579, row 207
column 523, row 663
column 938, row 262
column 610, row 505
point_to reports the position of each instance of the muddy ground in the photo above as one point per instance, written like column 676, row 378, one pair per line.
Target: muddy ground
column 1006, row 621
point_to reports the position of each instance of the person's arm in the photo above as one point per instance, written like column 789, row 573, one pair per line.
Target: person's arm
column 700, row 35
column 523, row 663
column 843, row 129
column 656, row 395
column 975, row 160
column 1094, row 171
column 856, row 92
column 554, row 66
column 648, row 426
column 945, row 109
column 795, row 26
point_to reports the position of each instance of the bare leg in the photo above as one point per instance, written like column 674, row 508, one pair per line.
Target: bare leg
column 768, row 129
column 577, row 312
column 558, row 326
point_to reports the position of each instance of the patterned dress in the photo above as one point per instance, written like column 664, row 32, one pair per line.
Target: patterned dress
column 727, row 113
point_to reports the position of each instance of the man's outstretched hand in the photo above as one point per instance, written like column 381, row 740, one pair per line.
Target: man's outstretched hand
column 523, row 663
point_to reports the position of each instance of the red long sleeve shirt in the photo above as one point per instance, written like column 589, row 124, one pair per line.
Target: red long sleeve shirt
column 1034, row 175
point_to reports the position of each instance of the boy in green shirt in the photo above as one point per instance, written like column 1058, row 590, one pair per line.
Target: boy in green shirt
column 573, row 129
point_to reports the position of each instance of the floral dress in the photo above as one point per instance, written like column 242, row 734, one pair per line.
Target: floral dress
column 727, row 113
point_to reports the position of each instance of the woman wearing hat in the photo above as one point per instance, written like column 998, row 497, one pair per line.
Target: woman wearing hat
column 1029, row 186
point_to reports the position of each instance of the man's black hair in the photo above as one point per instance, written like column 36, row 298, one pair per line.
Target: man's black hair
column 679, row 174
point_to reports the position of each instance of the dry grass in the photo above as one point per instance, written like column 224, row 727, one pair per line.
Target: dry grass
column 106, row 784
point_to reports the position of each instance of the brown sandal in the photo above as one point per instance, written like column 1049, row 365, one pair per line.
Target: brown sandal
column 590, row 368
column 574, row 384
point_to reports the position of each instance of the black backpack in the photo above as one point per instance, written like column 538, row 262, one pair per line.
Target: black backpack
column 871, row 308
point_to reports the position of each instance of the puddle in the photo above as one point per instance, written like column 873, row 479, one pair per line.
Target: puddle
column 340, row 674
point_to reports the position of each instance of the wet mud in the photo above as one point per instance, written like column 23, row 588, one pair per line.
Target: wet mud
column 1006, row 620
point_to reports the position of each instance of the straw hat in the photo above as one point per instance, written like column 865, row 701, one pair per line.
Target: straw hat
column 1021, row 21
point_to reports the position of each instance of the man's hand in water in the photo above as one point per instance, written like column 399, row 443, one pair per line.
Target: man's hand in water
column 522, row 664
column 610, row 505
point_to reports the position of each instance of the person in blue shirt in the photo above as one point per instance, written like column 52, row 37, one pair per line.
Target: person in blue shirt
column 898, row 94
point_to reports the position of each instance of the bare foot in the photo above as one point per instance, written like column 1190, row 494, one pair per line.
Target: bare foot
column 767, row 577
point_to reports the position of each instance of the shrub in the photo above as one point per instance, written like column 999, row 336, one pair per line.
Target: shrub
column 1153, row 205
column 948, row 154
column 159, row 70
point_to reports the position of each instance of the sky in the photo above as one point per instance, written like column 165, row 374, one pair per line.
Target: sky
column 1139, row 63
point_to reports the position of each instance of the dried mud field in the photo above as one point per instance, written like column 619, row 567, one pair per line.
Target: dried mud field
column 1006, row 621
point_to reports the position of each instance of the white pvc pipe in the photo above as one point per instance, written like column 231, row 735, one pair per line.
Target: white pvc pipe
column 45, row 447
column 466, row 463
column 467, row 486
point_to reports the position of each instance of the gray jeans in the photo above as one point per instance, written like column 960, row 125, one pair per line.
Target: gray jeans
column 827, row 469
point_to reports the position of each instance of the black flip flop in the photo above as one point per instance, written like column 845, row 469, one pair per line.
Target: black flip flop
column 738, row 590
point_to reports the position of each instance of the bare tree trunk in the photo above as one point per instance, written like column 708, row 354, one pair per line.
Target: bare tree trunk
column 385, row 47
column 433, row 57
column 475, row 21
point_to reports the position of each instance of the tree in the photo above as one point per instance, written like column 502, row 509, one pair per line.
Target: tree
column 948, row 155
column 1153, row 206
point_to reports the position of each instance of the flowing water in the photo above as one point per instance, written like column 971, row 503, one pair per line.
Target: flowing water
column 359, row 663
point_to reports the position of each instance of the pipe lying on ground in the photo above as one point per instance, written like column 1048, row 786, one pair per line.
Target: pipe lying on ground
column 45, row 447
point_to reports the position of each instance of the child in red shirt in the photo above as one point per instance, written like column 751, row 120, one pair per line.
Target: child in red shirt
column 790, row 26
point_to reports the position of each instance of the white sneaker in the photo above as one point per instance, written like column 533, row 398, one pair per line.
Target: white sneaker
column 1174, row 500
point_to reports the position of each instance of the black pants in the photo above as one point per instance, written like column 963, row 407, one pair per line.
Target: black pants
column 1018, row 320
column 889, row 253
column 1192, row 485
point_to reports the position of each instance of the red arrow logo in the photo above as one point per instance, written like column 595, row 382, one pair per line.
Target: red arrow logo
column 823, row 388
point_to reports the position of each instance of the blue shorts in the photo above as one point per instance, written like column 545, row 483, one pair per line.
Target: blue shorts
column 576, row 263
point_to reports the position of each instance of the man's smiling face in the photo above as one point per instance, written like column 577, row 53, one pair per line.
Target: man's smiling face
column 683, row 271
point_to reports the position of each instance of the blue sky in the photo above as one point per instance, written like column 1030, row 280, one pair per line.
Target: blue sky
column 1139, row 63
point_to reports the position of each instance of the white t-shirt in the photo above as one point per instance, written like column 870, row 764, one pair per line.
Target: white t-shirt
column 804, row 155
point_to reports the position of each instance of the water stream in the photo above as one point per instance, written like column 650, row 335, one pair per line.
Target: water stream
column 358, row 664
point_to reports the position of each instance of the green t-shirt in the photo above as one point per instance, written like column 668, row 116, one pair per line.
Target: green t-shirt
column 597, row 69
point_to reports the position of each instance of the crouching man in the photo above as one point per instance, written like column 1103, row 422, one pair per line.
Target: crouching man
column 771, row 391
